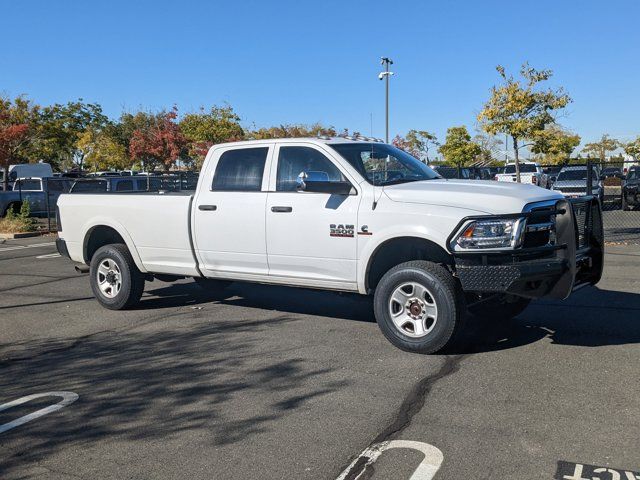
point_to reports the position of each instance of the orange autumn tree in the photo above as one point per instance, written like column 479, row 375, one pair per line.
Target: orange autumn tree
column 159, row 143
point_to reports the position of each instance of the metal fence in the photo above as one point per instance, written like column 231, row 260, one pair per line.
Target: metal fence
column 42, row 194
column 615, row 184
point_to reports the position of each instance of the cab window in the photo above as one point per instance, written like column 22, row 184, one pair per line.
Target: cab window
column 240, row 170
column 292, row 161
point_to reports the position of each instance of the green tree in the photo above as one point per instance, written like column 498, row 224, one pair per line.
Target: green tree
column 204, row 129
column 458, row 149
column 59, row 129
column 600, row 148
column 417, row 143
column 555, row 144
column 102, row 151
column 633, row 149
column 518, row 109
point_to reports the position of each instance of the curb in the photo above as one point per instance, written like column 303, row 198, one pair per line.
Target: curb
column 10, row 236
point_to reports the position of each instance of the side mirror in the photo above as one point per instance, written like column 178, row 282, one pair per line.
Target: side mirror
column 319, row 182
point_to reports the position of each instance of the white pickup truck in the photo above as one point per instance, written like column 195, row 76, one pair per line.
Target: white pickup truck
column 347, row 215
column 530, row 172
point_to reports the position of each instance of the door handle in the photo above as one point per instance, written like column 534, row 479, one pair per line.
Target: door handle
column 282, row 209
column 207, row 208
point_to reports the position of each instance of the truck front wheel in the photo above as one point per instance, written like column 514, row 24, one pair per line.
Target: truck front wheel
column 503, row 307
column 115, row 280
column 419, row 307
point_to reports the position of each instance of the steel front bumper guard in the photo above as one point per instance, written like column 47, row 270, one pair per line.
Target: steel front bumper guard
column 573, row 261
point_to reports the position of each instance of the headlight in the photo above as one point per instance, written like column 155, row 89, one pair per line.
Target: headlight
column 494, row 233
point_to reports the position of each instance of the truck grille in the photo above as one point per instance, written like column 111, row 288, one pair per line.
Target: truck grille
column 577, row 189
column 584, row 221
column 540, row 228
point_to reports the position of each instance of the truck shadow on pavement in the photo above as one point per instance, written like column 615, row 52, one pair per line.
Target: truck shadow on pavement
column 349, row 306
column 591, row 317
column 134, row 385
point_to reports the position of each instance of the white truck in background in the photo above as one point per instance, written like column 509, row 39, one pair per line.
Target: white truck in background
column 342, row 214
column 530, row 173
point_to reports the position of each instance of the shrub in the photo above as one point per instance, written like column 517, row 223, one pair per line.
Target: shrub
column 18, row 222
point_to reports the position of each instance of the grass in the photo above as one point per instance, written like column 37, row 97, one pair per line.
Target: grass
column 18, row 222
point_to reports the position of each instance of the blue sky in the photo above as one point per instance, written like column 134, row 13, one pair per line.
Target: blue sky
column 301, row 62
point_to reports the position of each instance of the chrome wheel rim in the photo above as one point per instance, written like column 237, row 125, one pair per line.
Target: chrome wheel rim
column 109, row 278
column 413, row 310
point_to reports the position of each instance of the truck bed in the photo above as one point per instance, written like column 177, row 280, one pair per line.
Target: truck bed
column 156, row 226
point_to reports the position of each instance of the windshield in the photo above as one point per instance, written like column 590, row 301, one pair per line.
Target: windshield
column 383, row 164
column 524, row 168
column 633, row 175
column 576, row 175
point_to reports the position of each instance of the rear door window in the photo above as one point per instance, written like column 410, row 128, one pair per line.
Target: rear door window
column 240, row 170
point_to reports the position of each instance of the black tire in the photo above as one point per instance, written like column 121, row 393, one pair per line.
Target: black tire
column 625, row 204
column 444, row 292
column 211, row 284
column 131, row 280
column 504, row 307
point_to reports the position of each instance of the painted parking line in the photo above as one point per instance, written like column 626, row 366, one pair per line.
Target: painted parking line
column 22, row 247
column 67, row 399
column 49, row 255
column 427, row 468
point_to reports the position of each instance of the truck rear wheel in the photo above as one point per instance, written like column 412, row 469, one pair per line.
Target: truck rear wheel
column 419, row 307
column 503, row 307
column 115, row 280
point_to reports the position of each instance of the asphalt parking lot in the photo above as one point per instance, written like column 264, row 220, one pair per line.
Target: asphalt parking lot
column 276, row 383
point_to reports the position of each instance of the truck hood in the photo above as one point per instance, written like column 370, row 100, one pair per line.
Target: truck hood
column 485, row 196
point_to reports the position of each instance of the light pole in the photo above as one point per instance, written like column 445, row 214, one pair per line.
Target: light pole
column 386, row 61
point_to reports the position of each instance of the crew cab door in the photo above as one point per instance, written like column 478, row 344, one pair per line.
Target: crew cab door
column 310, row 235
column 229, row 212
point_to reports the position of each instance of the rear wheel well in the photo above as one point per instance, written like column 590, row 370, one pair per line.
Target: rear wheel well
column 99, row 237
column 399, row 250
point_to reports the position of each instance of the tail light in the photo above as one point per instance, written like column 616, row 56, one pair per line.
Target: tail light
column 496, row 178
column 534, row 180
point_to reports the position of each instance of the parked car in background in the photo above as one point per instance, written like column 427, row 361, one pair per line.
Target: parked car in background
column 453, row 172
column 631, row 189
column 103, row 174
column 612, row 172
column 29, row 170
column 552, row 174
column 530, row 172
column 483, row 173
column 37, row 191
column 572, row 182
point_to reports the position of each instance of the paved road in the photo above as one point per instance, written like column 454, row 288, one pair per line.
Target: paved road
column 276, row 383
column 621, row 226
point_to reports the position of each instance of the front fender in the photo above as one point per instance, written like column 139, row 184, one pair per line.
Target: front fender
column 391, row 233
